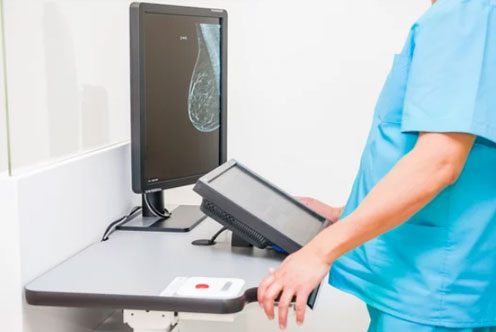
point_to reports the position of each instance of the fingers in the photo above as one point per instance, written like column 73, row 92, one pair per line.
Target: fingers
column 301, row 305
column 263, row 287
column 305, row 200
column 269, row 297
column 284, row 303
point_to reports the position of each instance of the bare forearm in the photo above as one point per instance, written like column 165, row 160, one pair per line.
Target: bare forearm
column 415, row 180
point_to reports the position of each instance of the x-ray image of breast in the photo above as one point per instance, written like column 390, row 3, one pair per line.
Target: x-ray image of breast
column 204, row 89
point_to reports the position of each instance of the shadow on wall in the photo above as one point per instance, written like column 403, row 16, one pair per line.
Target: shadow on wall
column 3, row 110
column 95, row 117
column 62, row 90
column 77, row 116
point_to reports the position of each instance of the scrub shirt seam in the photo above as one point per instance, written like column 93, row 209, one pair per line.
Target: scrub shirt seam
column 476, row 127
column 482, row 64
column 447, row 249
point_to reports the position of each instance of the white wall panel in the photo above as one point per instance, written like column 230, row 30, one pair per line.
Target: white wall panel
column 51, row 214
column 10, row 263
column 65, row 207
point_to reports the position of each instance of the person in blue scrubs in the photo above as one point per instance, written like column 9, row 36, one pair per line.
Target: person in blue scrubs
column 416, row 240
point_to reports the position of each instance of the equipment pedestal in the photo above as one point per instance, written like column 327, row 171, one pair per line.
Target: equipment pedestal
column 182, row 219
column 151, row 321
column 164, row 321
column 237, row 241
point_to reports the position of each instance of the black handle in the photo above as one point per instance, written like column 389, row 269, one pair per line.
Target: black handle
column 251, row 296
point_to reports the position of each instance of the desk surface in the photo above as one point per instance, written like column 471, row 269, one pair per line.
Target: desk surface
column 131, row 269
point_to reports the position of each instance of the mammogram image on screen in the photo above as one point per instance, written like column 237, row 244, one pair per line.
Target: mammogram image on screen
column 204, row 89
column 182, row 91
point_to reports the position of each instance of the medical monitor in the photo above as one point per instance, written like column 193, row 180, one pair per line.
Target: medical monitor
column 178, row 94
column 178, row 58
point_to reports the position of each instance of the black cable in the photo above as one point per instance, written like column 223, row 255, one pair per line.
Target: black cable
column 156, row 212
column 114, row 224
column 216, row 235
column 209, row 242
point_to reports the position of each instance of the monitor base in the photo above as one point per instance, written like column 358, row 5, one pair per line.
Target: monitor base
column 237, row 241
column 183, row 219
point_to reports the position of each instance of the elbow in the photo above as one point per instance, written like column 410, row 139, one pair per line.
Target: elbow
column 448, row 171
column 445, row 154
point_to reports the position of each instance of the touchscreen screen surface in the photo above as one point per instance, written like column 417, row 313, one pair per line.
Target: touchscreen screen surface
column 268, row 205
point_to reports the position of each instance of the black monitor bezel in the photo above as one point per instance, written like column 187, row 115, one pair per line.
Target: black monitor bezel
column 205, row 189
column 138, row 116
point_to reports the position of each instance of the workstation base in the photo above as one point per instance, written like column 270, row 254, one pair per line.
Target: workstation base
column 131, row 272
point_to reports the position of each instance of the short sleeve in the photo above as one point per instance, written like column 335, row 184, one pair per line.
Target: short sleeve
column 451, row 83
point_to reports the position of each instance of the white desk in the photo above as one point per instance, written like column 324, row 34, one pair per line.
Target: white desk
column 131, row 269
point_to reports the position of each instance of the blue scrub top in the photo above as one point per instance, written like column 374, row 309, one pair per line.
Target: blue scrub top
column 438, row 268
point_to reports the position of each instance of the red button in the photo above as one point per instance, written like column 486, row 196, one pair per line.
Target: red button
column 202, row 286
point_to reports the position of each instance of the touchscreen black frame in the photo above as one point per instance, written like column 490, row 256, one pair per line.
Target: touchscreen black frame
column 259, row 227
column 138, row 107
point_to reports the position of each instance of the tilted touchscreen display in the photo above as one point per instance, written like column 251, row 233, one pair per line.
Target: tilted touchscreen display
column 268, row 204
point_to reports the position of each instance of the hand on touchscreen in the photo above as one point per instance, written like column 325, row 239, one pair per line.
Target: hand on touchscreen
column 331, row 213
column 297, row 276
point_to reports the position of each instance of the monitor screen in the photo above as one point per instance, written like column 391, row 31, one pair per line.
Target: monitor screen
column 182, row 95
column 268, row 204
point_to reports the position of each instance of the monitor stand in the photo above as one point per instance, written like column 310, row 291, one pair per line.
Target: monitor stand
column 182, row 219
